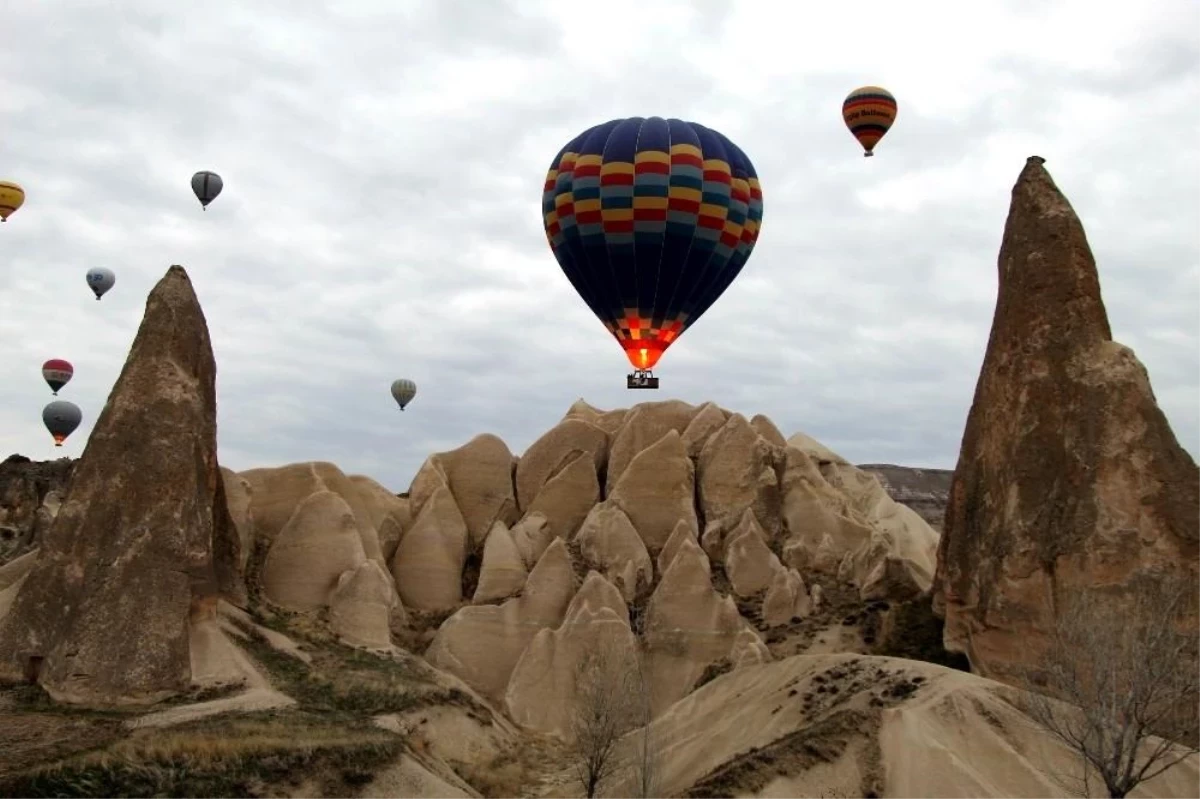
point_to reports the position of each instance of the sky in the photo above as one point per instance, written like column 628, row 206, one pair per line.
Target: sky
column 383, row 165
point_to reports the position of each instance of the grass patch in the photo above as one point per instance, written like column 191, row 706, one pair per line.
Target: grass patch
column 222, row 758
column 352, row 683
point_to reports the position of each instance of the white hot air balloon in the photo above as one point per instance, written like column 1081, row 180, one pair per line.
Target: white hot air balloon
column 100, row 280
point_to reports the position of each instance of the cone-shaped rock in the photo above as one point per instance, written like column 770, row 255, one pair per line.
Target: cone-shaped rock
column 1069, row 474
column 143, row 532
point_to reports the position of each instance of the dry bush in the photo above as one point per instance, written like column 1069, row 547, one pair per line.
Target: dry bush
column 1117, row 684
column 611, row 698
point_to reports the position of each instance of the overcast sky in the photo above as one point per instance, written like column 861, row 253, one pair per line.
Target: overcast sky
column 383, row 165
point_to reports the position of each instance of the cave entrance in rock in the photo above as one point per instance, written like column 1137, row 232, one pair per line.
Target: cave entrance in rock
column 33, row 668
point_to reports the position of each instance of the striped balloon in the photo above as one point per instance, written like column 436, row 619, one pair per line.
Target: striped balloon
column 12, row 197
column 57, row 373
column 403, row 392
column 869, row 112
column 651, row 219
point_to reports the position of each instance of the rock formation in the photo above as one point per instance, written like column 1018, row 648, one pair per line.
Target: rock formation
column 30, row 495
column 143, row 533
column 1069, row 474
column 924, row 490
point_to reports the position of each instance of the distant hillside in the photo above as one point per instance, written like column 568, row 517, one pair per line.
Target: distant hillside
column 924, row 490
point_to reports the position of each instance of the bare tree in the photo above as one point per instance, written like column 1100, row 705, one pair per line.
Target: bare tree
column 1117, row 684
column 611, row 698
column 643, row 751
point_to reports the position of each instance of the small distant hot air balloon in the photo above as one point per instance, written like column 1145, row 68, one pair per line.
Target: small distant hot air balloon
column 57, row 373
column 403, row 392
column 651, row 220
column 12, row 197
column 869, row 112
column 61, row 418
column 206, row 186
column 100, row 279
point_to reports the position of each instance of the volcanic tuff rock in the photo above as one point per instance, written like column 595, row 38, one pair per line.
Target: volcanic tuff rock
column 1069, row 474
column 30, row 495
column 924, row 490
column 143, row 533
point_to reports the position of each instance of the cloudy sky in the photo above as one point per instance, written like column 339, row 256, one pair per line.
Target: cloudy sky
column 383, row 165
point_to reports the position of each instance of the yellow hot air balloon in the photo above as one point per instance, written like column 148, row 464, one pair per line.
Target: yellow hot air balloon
column 869, row 112
column 12, row 197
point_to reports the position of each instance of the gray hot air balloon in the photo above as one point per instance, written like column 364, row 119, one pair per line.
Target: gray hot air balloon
column 403, row 392
column 206, row 185
column 61, row 418
column 100, row 280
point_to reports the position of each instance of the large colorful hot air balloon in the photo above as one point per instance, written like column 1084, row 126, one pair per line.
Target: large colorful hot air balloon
column 12, row 197
column 61, row 418
column 651, row 219
column 869, row 112
column 57, row 373
column 206, row 186
column 100, row 279
column 403, row 392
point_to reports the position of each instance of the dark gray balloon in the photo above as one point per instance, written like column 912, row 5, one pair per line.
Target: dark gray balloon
column 61, row 418
column 206, row 186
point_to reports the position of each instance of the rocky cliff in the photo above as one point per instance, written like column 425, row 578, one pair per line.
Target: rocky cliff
column 1069, row 477
column 30, row 495
column 924, row 490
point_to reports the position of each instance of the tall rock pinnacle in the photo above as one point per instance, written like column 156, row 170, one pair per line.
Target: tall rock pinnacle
column 1069, row 474
column 143, row 532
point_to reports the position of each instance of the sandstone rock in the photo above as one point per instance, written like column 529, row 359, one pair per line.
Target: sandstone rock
column 748, row 650
column 815, row 449
column 568, row 495
column 502, row 572
column 608, row 421
column 786, row 598
column 541, row 693
column 749, row 562
column 428, row 564
column 608, row 541
column 657, row 489
column 643, row 426
column 480, row 475
column 767, row 429
column 707, row 421
column 237, row 497
column 30, row 493
column 12, row 575
column 318, row 544
column 364, row 605
column 551, row 453
column 688, row 626
column 737, row 470
column 389, row 514
column 1069, row 475
column 531, row 536
column 682, row 532
column 276, row 492
column 144, row 531
column 926, row 491
column 481, row 644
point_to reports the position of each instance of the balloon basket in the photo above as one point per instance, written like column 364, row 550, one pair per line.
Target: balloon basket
column 641, row 379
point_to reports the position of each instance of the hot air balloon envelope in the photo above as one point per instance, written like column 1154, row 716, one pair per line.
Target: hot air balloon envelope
column 61, row 418
column 206, row 186
column 57, row 373
column 100, row 280
column 403, row 392
column 869, row 112
column 12, row 197
column 651, row 219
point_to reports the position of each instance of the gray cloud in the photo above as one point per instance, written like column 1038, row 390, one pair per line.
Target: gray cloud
column 383, row 166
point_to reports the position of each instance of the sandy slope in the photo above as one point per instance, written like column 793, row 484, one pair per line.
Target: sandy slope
column 849, row 725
